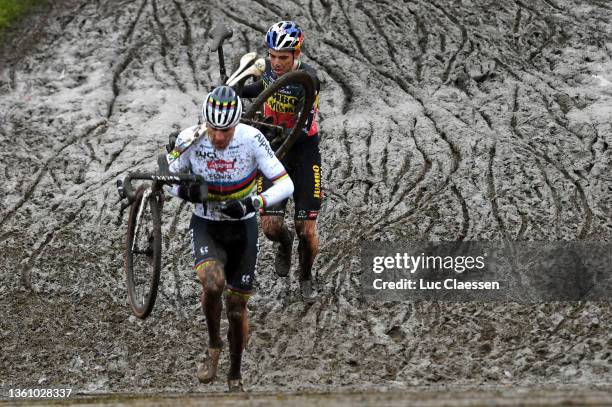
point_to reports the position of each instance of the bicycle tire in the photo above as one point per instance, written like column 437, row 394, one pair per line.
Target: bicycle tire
column 302, row 78
column 142, row 299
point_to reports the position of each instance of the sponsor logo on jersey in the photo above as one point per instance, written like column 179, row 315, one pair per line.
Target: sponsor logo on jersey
column 220, row 165
column 316, row 170
column 282, row 103
column 306, row 215
column 219, row 177
column 211, row 155
column 261, row 140
column 269, row 79
column 259, row 184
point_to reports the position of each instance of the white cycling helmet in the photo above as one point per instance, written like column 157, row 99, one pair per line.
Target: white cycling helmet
column 222, row 108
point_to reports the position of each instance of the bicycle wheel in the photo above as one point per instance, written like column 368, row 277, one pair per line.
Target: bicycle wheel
column 143, row 251
column 301, row 78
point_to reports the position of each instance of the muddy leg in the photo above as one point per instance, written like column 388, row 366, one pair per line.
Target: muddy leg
column 213, row 283
column 275, row 229
column 308, row 247
column 237, row 335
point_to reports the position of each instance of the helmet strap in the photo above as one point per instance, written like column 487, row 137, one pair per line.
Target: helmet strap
column 296, row 62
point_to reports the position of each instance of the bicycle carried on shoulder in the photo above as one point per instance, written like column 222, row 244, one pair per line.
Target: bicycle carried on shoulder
column 143, row 238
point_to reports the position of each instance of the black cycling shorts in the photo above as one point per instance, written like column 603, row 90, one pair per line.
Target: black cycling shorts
column 303, row 164
column 232, row 243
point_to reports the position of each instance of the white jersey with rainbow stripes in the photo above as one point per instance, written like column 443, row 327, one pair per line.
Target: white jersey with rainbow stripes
column 230, row 173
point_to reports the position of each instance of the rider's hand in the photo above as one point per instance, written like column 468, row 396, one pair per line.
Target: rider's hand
column 238, row 209
column 278, row 141
column 172, row 141
column 193, row 192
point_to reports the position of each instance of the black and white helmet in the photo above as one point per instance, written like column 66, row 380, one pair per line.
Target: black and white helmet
column 222, row 108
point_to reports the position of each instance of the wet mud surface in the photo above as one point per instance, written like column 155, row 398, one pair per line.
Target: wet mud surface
column 467, row 120
column 415, row 396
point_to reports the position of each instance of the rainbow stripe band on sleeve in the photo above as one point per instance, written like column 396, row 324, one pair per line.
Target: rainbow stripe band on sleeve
column 262, row 201
column 280, row 177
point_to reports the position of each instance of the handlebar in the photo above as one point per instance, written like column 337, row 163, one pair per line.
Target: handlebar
column 125, row 187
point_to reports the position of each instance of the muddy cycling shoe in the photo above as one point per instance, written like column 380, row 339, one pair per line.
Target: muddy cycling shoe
column 235, row 386
column 306, row 289
column 282, row 263
column 207, row 371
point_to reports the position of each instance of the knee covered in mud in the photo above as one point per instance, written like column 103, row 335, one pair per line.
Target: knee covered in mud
column 211, row 277
column 235, row 306
column 272, row 227
column 307, row 230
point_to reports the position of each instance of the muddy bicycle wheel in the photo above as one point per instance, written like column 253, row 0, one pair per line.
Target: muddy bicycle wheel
column 301, row 78
column 143, row 251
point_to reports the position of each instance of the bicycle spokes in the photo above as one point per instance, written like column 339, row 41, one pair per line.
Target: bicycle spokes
column 143, row 258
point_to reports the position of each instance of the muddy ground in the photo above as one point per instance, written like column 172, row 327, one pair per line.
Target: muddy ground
column 441, row 120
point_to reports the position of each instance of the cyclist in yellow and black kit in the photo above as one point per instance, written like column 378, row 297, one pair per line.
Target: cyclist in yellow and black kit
column 302, row 161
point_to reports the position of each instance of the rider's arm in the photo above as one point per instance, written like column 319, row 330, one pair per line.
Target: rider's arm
column 252, row 90
column 272, row 168
column 180, row 165
column 282, row 188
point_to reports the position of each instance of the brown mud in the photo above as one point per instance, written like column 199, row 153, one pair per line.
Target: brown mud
column 431, row 396
column 440, row 120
